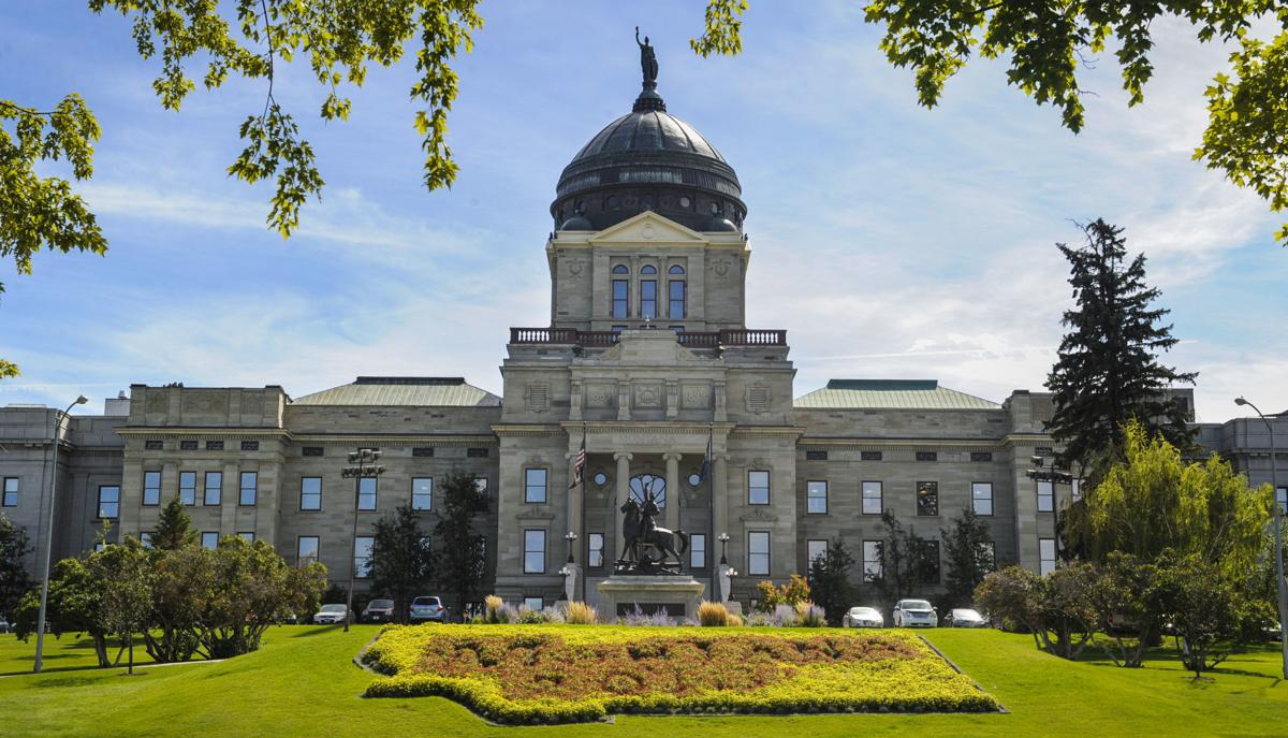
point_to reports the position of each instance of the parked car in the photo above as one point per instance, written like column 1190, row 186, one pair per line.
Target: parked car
column 914, row 614
column 428, row 608
column 863, row 617
column 5, row 627
column 964, row 617
column 378, row 611
column 330, row 614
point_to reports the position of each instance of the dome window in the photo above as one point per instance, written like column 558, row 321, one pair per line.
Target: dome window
column 648, row 269
column 677, row 269
column 715, row 208
column 621, row 269
column 581, row 207
column 685, row 202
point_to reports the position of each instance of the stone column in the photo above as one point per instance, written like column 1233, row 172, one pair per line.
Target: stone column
column 672, row 513
column 623, row 460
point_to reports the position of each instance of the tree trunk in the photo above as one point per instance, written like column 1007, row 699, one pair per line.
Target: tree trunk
column 100, row 649
column 130, row 641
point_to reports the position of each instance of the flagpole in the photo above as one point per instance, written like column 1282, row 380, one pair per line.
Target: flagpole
column 586, row 571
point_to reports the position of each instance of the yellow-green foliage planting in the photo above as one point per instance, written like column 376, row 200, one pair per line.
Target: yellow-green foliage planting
column 713, row 615
column 551, row 673
column 579, row 613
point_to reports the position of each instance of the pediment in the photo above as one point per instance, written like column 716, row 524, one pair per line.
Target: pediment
column 648, row 228
column 657, row 347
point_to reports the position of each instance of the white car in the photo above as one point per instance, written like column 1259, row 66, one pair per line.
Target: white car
column 330, row 614
column 914, row 614
column 964, row 617
column 863, row 617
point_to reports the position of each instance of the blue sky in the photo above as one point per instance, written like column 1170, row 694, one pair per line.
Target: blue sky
column 889, row 240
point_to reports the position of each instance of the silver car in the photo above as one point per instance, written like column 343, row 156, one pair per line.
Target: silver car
column 428, row 609
column 863, row 617
column 964, row 617
column 914, row 614
column 330, row 614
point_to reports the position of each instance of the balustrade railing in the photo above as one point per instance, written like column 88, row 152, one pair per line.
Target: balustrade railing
column 603, row 339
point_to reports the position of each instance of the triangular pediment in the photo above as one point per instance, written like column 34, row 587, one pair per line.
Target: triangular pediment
column 648, row 227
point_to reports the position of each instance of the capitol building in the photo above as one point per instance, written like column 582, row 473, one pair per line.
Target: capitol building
column 647, row 356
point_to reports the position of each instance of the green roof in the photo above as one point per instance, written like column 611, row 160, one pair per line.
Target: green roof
column 404, row 391
column 912, row 394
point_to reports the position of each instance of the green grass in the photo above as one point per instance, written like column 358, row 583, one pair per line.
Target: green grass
column 303, row 683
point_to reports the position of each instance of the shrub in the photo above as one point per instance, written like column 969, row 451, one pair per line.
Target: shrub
column 639, row 617
column 809, row 615
column 492, row 609
column 579, row 613
column 795, row 590
column 734, row 621
column 784, row 616
column 713, row 614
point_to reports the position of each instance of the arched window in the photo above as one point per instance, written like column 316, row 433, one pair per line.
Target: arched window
column 621, row 291
column 649, row 484
column 648, row 293
column 621, row 269
column 677, row 269
column 648, row 269
column 676, row 290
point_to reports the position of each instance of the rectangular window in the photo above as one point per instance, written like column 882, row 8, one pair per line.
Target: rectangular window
column 1046, row 556
column 188, row 488
column 247, row 536
column 648, row 299
column 187, row 445
column 210, row 539
column 675, row 309
column 153, row 444
column 151, row 488
column 145, row 538
column 422, row 452
column 1044, row 451
column 306, row 549
column 422, row 493
column 480, row 485
column 621, row 297
column 476, row 453
column 250, row 445
column 757, row 488
column 534, row 603
column 311, row 493
column 1046, row 496
column 595, row 550
column 249, row 488
column 928, row 498
column 871, row 560
column 1075, row 488
column 816, row 497
column 698, row 551
column 534, row 552
column 872, row 503
column 362, row 556
column 214, row 488
column 927, row 456
column 1281, row 496
column 981, row 457
column 930, row 561
column 815, row 549
column 816, row 456
column 312, row 451
column 109, row 502
column 534, row 485
column 870, row 455
column 758, row 552
column 981, row 498
column 368, row 488
column 214, row 445
column 10, row 492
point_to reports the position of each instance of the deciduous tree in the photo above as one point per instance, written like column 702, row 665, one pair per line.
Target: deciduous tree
column 402, row 561
column 123, row 571
column 74, row 606
column 460, row 555
column 969, row 550
column 829, row 580
column 14, row 580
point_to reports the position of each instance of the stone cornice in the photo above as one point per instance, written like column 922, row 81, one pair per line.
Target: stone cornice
column 807, row 440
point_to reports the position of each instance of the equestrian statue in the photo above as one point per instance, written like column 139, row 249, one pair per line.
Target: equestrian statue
column 648, row 549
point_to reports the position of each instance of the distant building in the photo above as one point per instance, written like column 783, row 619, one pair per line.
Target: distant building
column 647, row 357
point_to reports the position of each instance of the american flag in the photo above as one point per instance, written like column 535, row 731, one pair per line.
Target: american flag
column 579, row 468
column 708, row 459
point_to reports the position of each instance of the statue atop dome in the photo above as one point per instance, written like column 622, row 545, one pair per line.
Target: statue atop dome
column 648, row 61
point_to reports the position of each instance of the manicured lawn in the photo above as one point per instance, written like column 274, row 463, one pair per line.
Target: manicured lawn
column 303, row 683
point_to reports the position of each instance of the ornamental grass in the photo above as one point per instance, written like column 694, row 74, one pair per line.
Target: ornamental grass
column 552, row 674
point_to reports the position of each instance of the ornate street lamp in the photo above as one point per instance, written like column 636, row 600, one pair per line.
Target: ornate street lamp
column 571, row 538
column 49, row 537
column 1278, row 512
column 724, row 544
column 362, row 463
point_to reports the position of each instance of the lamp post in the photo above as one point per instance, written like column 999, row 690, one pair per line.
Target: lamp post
column 49, row 538
column 724, row 572
column 571, row 538
column 1282, row 586
column 362, row 463
column 724, row 544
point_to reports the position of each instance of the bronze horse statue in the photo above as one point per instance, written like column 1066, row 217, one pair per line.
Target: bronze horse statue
column 639, row 528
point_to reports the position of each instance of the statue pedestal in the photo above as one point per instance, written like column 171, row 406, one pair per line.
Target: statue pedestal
column 679, row 594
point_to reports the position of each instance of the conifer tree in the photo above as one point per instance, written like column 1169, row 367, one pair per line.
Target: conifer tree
column 969, row 550
column 1108, row 370
column 829, row 581
column 174, row 527
column 14, row 581
column 401, row 559
column 459, row 547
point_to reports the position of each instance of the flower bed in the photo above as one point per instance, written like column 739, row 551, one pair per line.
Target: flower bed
column 549, row 674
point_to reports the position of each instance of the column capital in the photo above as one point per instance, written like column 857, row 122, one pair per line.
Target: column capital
column 623, row 456
column 672, row 456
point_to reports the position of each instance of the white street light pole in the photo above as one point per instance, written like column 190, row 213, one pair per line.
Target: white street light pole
column 49, row 538
column 1282, row 586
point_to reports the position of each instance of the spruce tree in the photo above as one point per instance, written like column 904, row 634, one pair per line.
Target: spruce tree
column 401, row 559
column 829, row 581
column 459, row 547
column 174, row 527
column 969, row 550
column 1108, row 371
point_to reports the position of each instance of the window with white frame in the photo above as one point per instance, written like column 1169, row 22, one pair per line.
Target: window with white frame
column 213, row 493
column 981, row 497
column 757, row 487
column 698, row 551
column 871, row 560
column 10, row 492
column 534, row 485
column 188, row 488
column 306, row 549
column 362, row 546
column 815, row 550
column 1046, row 556
column 872, row 503
column 758, row 552
column 595, row 550
column 249, row 489
column 534, row 603
column 422, row 493
column 534, row 552
column 210, row 539
column 311, row 493
column 816, row 497
column 368, row 491
column 1046, row 496
column 109, row 502
column 151, row 488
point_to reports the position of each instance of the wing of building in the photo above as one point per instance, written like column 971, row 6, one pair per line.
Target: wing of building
column 647, row 359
